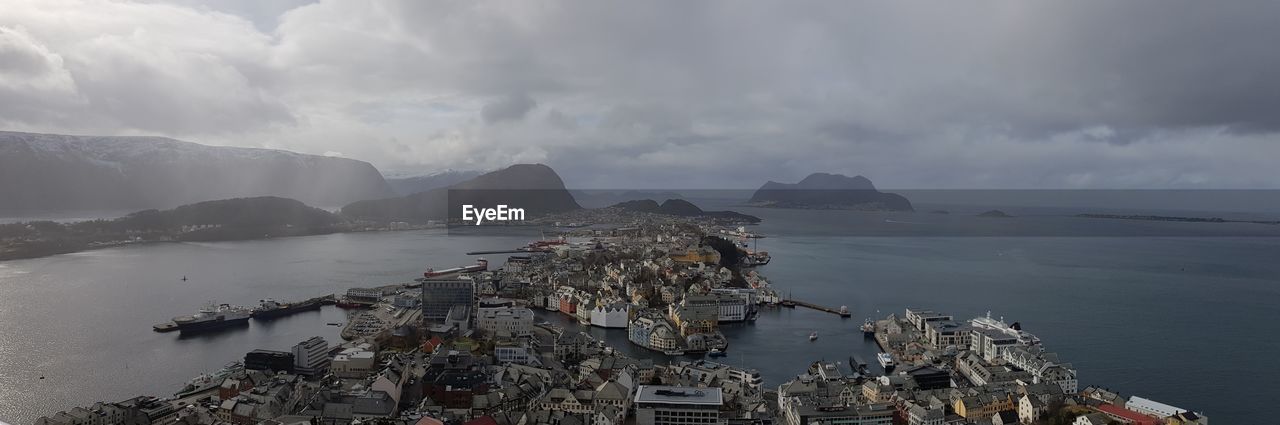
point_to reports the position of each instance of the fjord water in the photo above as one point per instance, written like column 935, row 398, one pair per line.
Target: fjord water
column 1184, row 320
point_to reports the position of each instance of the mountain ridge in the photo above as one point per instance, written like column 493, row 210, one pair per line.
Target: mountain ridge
column 54, row 172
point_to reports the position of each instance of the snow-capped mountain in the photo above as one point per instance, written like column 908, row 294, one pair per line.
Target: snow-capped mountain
column 49, row 172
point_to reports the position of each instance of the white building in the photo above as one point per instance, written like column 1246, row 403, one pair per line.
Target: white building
column 354, row 362
column 609, row 316
column 513, row 321
column 1151, row 407
column 311, row 357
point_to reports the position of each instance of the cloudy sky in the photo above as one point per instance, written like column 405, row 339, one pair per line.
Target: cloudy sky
column 1073, row 94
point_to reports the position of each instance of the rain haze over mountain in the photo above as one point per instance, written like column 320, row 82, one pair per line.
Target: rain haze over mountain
column 670, row 94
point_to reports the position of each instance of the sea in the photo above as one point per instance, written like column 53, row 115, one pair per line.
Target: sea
column 1182, row 313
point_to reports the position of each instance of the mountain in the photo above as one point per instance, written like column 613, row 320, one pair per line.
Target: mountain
column 603, row 198
column 534, row 187
column 405, row 186
column 49, row 172
column 829, row 191
column 683, row 208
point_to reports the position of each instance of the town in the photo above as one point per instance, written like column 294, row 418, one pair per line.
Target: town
column 466, row 346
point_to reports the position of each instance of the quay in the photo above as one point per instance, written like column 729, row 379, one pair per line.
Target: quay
column 843, row 313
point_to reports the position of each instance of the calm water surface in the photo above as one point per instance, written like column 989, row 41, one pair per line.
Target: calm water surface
column 1184, row 320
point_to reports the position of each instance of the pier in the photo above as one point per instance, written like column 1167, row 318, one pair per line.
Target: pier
column 798, row 303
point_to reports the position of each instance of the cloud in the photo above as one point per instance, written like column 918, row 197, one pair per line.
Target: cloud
column 509, row 108
column 715, row 94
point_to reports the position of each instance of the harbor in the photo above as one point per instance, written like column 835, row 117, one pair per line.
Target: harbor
column 680, row 331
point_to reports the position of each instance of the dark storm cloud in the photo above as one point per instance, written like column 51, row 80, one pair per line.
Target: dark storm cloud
column 992, row 94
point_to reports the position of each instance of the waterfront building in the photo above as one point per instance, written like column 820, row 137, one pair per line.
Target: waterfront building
column 732, row 307
column 1092, row 419
column 1043, row 367
column 654, row 333
column 610, row 316
column 695, row 314
column 311, row 357
column 921, row 318
column 508, row 321
column 989, row 343
column 278, row 361
column 1151, row 407
column 441, row 295
column 668, row 405
column 364, row 295
column 944, row 333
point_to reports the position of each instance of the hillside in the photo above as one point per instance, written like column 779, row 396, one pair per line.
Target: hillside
column 228, row 219
column 683, row 208
column 534, row 187
column 48, row 173
column 829, row 191
column 405, row 186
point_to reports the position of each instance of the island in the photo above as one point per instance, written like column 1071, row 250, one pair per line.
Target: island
column 829, row 191
column 995, row 213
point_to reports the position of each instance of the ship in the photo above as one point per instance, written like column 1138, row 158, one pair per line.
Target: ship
column 868, row 328
column 479, row 266
column 212, row 317
column 206, row 381
column 886, row 361
column 270, row 309
column 754, row 259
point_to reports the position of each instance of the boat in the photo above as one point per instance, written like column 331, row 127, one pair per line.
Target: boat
column 886, row 361
column 868, row 328
column 269, row 308
column 205, row 381
column 716, row 352
column 673, row 352
column 334, row 324
column 165, row 327
column 212, row 317
column 479, row 266
column 347, row 303
column 813, row 336
column 756, row 259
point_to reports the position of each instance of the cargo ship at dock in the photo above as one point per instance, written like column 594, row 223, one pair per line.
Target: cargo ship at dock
column 270, row 309
column 479, row 266
column 212, row 317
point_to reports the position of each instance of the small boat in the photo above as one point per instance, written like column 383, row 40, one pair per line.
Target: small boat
column 334, row 324
column 716, row 352
column 813, row 336
column 886, row 361
column 673, row 352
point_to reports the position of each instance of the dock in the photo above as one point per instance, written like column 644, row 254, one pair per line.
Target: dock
column 798, row 303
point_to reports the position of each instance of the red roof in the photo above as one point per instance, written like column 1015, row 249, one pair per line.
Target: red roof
column 483, row 420
column 1127, row 415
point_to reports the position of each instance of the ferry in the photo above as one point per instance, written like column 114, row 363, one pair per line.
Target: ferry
column 886, row 361
column 673, row 352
